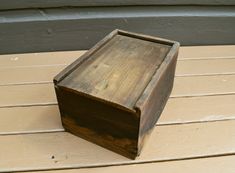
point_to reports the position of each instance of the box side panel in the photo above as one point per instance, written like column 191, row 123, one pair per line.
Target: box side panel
column 152, row 110
column 98, row 122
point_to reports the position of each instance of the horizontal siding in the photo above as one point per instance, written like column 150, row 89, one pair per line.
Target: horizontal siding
column 34, row 30
column 6, row 4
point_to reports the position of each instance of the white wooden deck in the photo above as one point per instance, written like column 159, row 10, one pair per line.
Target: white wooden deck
column 196, row 132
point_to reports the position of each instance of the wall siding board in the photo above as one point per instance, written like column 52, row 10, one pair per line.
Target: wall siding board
column 36, row 30
column 19, row 4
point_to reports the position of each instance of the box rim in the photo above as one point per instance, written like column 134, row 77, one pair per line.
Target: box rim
column 141, row 101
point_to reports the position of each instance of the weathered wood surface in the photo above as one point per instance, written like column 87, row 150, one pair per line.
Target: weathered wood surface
column 196, row 132
column 122, row 110
column 114, row 72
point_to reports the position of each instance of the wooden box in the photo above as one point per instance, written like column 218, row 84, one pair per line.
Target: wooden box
column 114, row 94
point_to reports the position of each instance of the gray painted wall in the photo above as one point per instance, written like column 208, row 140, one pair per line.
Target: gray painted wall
column 71, row 28
column 18, row 4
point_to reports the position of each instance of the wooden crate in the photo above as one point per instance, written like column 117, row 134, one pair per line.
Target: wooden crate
column 114, row 94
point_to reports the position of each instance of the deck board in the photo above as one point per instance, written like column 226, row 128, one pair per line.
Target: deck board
column 207, row 52
column 46, row 118
column 66, row 57
column 189, row 86
column 29, row 75
column 205, row 67
column 44, row 74
column 36, row 151
column 30, row 119
column 199, row 114
column 183, row 87
column 204, row 165
column 26, row 95
column 38, row 59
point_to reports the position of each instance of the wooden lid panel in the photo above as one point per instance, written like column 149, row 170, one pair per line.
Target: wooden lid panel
column 119, row 71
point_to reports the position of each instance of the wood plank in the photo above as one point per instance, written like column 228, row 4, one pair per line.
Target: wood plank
column 39, row 59
column 183, row 87
column 36, row 73
column 29, row 75
column 203, row 85
column 20, row 95
column 47, row 118
column 205, row 67
column 211, row 108
column 205, row 109
column 63, row 150
column 66, row 57
column 198, row 109
column 30, row 119
column 205, row 52
column 204, row 165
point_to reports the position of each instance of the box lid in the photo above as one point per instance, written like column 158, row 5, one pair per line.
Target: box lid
column 118, row 69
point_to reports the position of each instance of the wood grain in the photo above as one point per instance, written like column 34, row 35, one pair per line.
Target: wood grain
column 36, row 151
column 107, row 80
column 114, row 72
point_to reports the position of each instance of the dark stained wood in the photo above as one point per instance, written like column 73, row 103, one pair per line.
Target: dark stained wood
column 114, row 72
column 114, row 94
